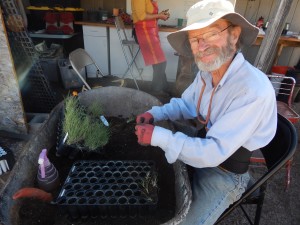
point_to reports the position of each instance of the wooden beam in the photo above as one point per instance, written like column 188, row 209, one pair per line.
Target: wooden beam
column 267, row 51
column 12, row 117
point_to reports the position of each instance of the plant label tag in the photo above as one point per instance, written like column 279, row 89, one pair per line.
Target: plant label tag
column 104, row 121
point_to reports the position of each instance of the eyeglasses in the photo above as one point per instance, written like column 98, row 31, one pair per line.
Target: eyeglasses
column 208, row 37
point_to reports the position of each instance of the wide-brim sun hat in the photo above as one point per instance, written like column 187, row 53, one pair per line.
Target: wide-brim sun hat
column 206, row 12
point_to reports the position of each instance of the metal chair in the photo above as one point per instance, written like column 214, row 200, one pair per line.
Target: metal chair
column 283, row 87
column 130, row 55
column 80, row 59
column 276, row 154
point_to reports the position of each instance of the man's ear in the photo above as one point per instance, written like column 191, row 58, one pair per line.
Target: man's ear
column 235, row 33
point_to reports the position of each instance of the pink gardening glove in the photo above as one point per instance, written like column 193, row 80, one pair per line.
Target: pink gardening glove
column 144, row 133
column 146, row 118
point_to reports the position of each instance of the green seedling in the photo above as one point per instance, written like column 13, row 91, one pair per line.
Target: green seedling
column 149, row 185
column 83, row 125
column 130, row 119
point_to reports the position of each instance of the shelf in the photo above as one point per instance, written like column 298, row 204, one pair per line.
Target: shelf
column 55, row 36
column 46, row 8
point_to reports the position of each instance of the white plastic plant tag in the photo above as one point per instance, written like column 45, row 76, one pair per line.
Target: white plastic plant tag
column 3, row 166
column 2, row 152
column 65, row 138
column 104, row 121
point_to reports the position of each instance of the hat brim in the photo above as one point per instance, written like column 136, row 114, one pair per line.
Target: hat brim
column 179, row 39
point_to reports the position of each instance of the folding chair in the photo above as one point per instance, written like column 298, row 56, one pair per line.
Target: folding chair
column 79, row 59
column 283, row 87
column 276, row 154
column 130, row 55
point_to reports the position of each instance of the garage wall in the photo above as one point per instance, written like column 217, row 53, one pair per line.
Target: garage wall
column 251, row 10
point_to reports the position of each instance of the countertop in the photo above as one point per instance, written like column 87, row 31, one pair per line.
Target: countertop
column 164, row 28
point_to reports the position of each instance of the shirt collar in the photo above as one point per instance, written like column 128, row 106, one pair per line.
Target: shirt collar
column 233, row 68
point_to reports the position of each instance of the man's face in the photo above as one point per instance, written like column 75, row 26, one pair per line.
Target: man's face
column 214, row 45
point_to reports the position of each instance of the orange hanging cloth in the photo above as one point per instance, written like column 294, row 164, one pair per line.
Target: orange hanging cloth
column 147, row 34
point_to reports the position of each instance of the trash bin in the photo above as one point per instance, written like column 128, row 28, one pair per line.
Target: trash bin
column 48, row 58
column 68, row 75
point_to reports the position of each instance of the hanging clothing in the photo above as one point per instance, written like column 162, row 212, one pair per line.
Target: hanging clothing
column 147, row 31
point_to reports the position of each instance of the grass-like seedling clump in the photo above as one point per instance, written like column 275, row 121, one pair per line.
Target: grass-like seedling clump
column 149, row 185
column 95, row 109
column 83, row 125
column 97, row 136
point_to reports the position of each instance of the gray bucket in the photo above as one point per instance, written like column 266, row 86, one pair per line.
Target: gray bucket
column 116, row 101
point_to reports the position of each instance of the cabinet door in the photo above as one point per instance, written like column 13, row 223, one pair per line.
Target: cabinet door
column 95, row 43
column 94, row 31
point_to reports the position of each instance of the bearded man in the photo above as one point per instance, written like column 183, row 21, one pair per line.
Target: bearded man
column 233, row 100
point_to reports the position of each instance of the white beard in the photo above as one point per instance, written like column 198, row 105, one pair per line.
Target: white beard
column 225, row 54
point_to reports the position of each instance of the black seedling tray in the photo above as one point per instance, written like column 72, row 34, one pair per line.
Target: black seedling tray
column 108, row 189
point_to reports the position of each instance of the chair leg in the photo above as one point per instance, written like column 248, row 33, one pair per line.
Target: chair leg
column 130, row 65
column 133, row 60
column 260, row 204
column 139, row 70
column 258, row 211
column 246, row 215
column 136, row 84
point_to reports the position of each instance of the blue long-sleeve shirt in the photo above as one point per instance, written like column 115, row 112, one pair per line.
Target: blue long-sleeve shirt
column 243, row 113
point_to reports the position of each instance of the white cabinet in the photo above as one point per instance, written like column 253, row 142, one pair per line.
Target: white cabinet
column 95, row 43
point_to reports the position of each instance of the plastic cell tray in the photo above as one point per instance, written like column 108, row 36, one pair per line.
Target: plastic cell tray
column 108, row 189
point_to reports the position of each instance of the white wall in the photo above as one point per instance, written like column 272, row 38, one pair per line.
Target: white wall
column 177, row 9
column 251, row 10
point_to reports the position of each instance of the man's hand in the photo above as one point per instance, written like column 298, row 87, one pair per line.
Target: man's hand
column 144, row 133
column 145, row 118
